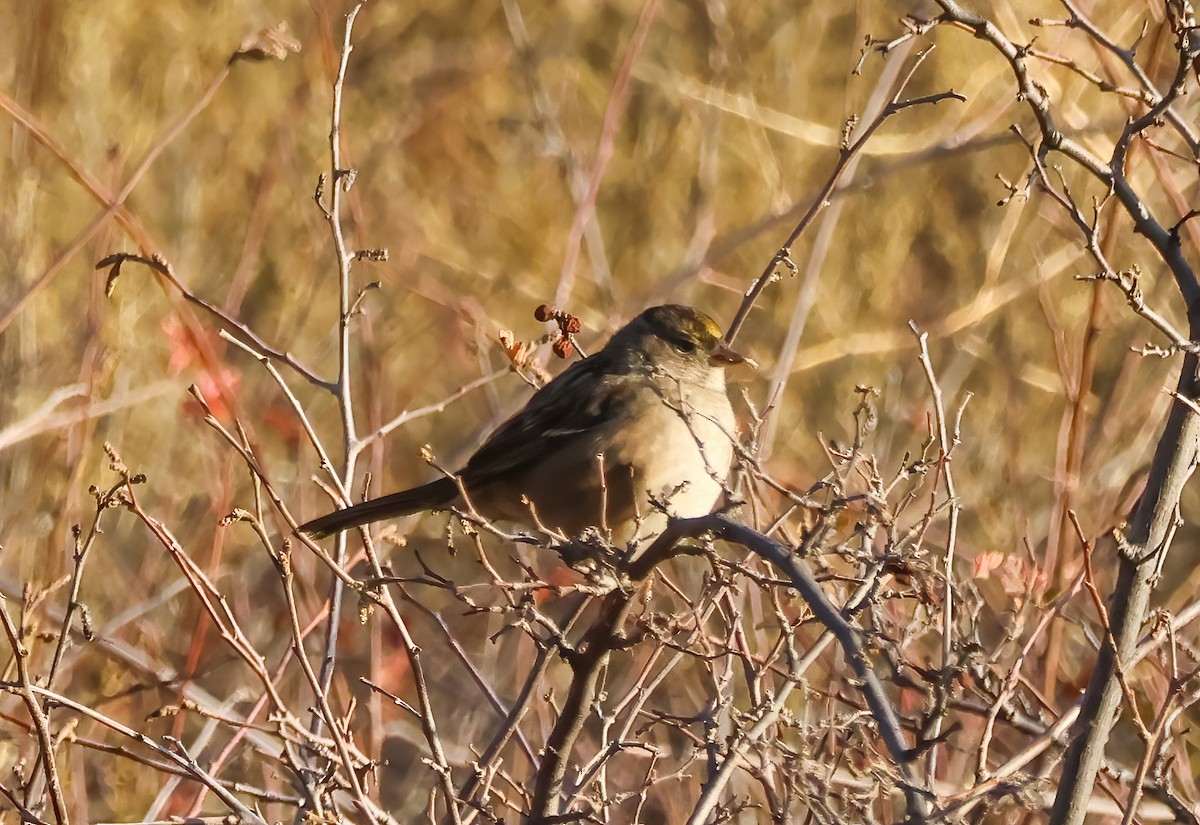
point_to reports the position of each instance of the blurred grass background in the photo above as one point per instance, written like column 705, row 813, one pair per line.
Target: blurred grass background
column 466, row 147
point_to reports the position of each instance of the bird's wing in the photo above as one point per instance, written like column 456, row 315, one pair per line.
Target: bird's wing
column 554, row 416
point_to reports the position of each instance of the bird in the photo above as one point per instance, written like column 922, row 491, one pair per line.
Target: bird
column 637, row 431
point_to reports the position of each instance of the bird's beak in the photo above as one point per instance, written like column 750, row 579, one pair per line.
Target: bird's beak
column 722, row 353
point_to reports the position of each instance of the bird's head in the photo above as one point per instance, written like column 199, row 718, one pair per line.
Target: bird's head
column 678, row 338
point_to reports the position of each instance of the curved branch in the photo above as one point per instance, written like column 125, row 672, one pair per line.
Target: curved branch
column 825, row 612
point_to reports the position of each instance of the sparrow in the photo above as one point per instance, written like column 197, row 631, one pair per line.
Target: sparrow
column 636, row 432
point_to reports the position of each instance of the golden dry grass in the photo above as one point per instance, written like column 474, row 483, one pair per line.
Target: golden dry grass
column 465, row 151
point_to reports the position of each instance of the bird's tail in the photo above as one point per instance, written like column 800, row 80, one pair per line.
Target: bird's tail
column 394, row 505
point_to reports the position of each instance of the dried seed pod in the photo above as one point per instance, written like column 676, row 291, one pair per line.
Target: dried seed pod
column 563, row 347
column 544, row 313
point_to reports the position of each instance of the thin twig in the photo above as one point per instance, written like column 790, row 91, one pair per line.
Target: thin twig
column 26, row 689
column 847, row 153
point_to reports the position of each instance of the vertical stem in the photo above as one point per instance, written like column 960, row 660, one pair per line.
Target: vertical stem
column 341, row 180
column 40, row 723
column 1067, row 483
column 947, row 440
column 1145, row 543
column 586, row 664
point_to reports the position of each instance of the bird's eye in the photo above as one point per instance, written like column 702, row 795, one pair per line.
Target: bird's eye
column 684, row 345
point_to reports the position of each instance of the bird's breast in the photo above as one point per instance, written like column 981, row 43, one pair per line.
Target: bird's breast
column 676, row 454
